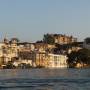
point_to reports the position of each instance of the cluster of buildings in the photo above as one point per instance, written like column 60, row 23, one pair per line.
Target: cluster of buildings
column 25, row 54
column 63, row 39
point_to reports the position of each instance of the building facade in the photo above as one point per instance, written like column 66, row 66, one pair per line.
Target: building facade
column 63, row 39
column 59, row 39
column 57, row 61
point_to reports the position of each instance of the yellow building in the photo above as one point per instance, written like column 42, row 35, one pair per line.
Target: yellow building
column 8, row 51
column 40, row 59
column 42, row 47
column 63, row 39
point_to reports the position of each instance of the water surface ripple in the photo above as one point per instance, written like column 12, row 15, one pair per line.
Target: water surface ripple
column 45, row 79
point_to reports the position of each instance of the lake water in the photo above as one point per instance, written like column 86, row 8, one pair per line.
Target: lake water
column 45, row 79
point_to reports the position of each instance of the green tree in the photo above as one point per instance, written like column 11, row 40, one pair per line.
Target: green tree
column 72, row 59
column 81, row 56
column 84, row 55
column 48, row 39
column 14, row 40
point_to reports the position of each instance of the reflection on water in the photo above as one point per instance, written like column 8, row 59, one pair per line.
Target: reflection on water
column 45, row 79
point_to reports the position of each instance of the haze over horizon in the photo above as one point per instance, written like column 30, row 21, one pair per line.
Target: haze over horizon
column 28, row 20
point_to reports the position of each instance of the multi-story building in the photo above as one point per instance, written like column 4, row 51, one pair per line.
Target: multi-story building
column 8, row 51
column 57, row 61
column 63, row 39
column 25, row 46
column 40, row 59
column 60, row 39
column 43, row 47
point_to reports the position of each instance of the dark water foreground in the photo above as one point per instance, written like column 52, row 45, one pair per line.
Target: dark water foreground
column 45, row 79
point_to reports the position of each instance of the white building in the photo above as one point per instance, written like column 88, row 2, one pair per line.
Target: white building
column 86, row 43
column 7, row 52
column 16, row 63
column 57, row 61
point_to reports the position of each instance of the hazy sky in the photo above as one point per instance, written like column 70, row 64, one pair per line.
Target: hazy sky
column 30, row 19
